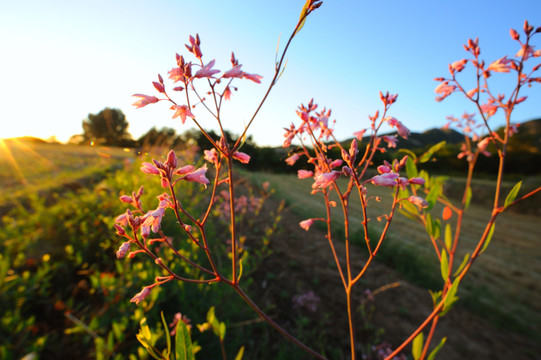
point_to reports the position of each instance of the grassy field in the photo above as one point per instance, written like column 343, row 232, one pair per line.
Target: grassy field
column 34, row 167
column 505, row 283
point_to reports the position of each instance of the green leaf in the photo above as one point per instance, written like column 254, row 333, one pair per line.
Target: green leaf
column 433, row 353
column 468, row 198
column 428, row 225
column 145, row 330
column 489, row 237
column 427, row 155
column 436, row 227
column 444, row 265
column 433, row 194
column 240, row 354
column 411, row 168
column 99, row 345
column 450, row 299
column 436, row 296
column 183, row 342
column 145, row 336
column 464, row 262
column 410, row 154
column 221, row 331
column 417, row 346
column 448, row 237
column 168, row 337
column 512, row 194
column 408, row 214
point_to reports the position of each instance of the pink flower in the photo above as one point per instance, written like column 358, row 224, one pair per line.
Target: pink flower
column 235, row 72
column 182, row 111
column 384, row 169
column 171, row 159
column 119, row 229
column 206, row 71
column 184, row 170
column 176, row 74
column 418, row 201
column 211, row 156
column 227, row 93
column 325, row 179
column 144, row 100
column 457, row 66
column 254, row 77
column 402, row 130
column 387, row 99
column 390, row 140
column 417, row 181
column 482, row 145
column 336, row 163
column 149, row 169
column 305, row 224
column 500, row 65
column 122, row 250
column 126, row 199
column 122, row 219
column 198, row 176
column 387, row 179
column 359, row 134
column 444, row 89
column 292, row 159
column 154, row 219
column 242, row 157
column 141, row 295
column 489, row 109
column 305, row 174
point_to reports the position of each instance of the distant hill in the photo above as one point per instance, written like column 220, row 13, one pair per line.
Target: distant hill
column 30, row 139
column 527, row 139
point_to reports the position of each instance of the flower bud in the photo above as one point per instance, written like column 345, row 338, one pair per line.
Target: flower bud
column 514, row 34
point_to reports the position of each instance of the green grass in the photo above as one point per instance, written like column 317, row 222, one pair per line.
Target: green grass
column 27, row 168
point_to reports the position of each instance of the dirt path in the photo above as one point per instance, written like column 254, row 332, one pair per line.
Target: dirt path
column 302, row 261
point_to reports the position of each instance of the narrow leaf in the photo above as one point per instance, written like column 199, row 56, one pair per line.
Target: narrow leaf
column 240, row 354
column 417, row 346
column 444, row 265
column 434, row 352
column 183, row 343
column 436, row 296
column 433, row 194
column 428, row 224
column 464, row 262
column 411, row 168
column 410, row 154
column 221, row 331
column 448, row 236
column 427, row 155
column 489, row 237
column 512, row 194
column 168, row 337
column 468, row 198
column 302, row 17
column 450, row 299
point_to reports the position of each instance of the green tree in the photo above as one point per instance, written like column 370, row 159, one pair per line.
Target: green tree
column 108, row 127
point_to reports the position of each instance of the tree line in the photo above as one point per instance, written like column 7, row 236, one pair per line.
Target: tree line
column 110, row 128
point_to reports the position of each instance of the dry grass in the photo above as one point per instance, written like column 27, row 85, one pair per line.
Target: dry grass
column 504, row 284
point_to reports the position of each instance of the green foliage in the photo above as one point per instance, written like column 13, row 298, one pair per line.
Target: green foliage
column 417, row 346
column 108, row 127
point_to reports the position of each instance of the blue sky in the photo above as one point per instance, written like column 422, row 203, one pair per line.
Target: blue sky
column 62, row 60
